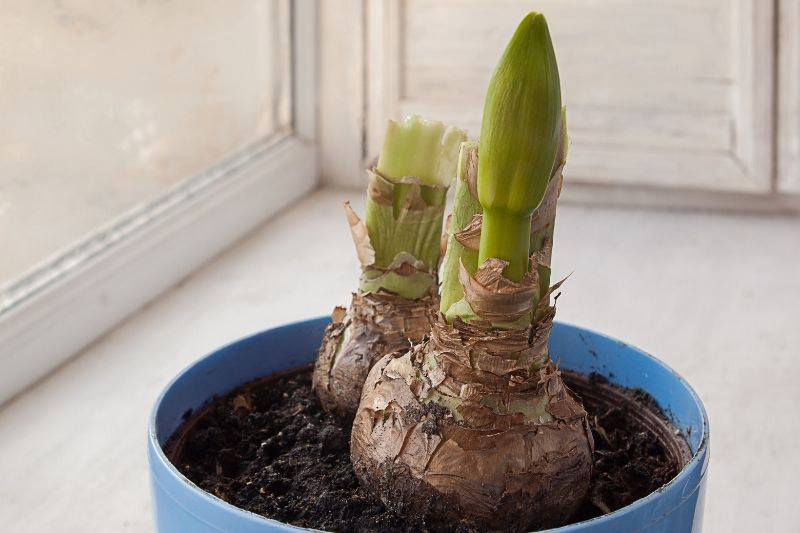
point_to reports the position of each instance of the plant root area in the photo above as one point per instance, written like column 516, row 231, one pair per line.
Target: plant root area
column 268, row 447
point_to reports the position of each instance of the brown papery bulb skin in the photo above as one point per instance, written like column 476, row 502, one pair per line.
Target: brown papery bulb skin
column 440, row 436
column 374, row 325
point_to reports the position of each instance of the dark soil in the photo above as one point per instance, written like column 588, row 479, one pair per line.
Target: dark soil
column 269, row 448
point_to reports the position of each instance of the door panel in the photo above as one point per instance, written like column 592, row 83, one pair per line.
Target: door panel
column 669, row 94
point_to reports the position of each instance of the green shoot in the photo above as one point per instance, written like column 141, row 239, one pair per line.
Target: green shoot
column 426, row 150
column 405, row 205
column 465, row 207
column 520, row 135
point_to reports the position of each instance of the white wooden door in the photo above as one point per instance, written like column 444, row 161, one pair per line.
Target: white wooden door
column 673, row 93
column 671, row 102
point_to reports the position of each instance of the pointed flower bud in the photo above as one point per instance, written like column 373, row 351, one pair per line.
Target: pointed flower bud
column 520, row 136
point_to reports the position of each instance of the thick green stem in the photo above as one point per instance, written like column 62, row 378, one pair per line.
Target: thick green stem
column 405, row 205
column 405, row 222
column 506, row 236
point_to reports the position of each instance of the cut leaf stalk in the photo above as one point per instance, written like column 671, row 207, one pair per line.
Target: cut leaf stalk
column 398, row 245
column 405, row 203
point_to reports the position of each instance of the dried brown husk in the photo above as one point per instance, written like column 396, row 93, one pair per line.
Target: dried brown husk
column 364, row 249
column 545, row 213
column 494, row 297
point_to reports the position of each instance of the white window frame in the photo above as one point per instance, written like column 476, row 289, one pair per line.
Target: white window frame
column 80, row 295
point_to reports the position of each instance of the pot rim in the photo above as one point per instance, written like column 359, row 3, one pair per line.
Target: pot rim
column 699, row 456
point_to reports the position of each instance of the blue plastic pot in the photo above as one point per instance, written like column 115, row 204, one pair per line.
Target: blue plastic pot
column 180, row 506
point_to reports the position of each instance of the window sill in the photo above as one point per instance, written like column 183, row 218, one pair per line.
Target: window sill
column 678, row 284
column 100, row 282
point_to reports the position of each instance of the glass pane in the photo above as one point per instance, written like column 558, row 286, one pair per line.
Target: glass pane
column 107, row 106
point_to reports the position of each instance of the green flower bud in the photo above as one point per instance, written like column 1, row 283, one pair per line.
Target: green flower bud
column 520, row 136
